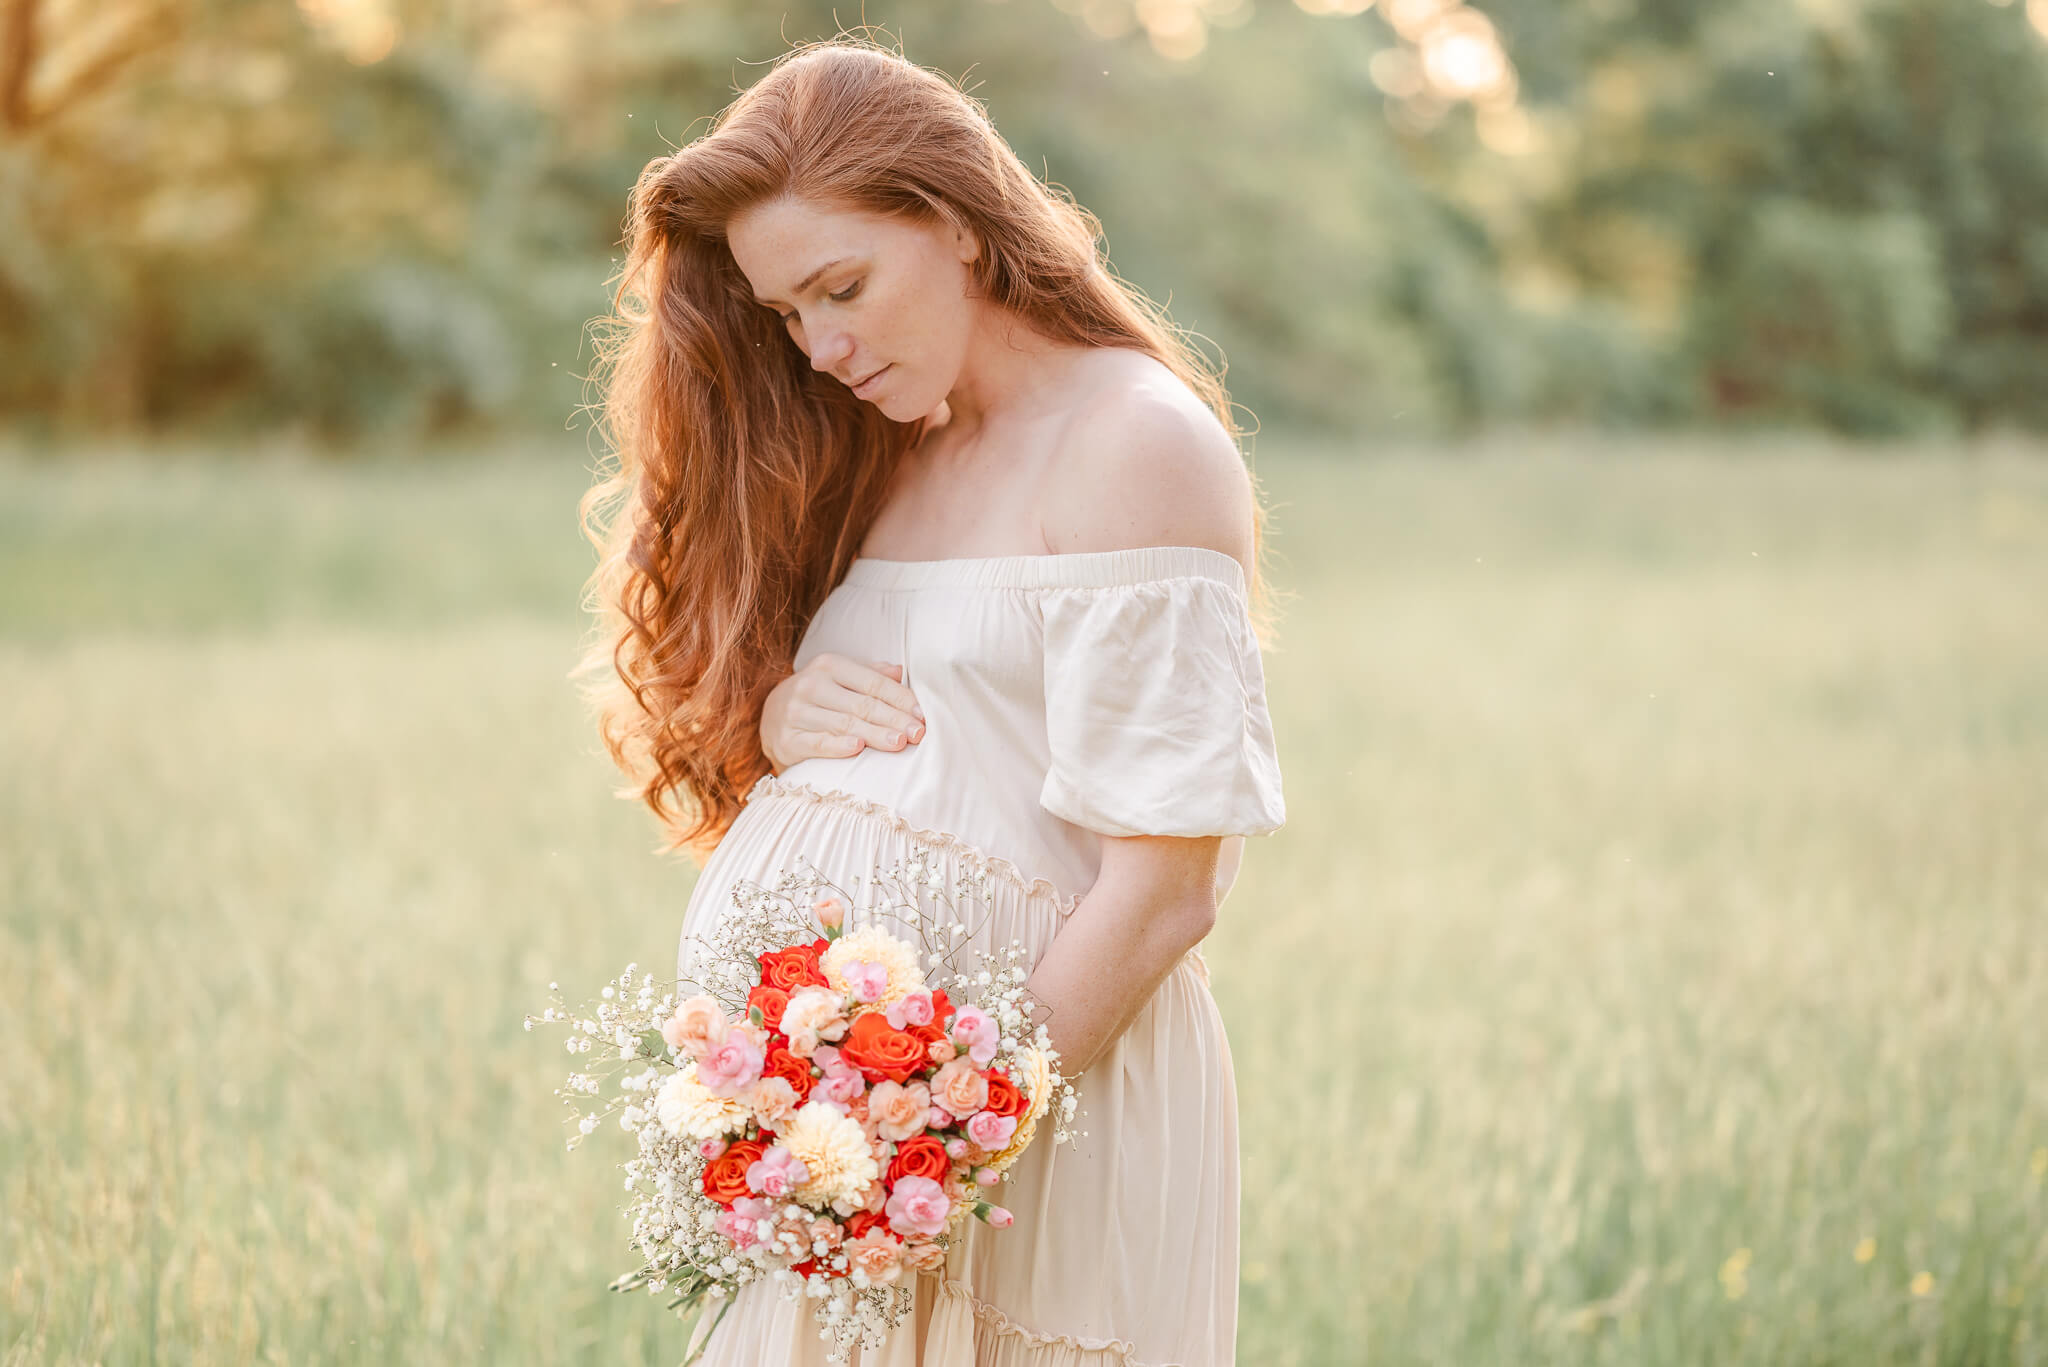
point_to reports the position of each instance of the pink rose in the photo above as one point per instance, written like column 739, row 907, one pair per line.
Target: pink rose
column 918, row 1205
column 710, row 1148
column 960, row 1088
column 956, row 1147
column 778, row 1172
column 899, row 1110
column 732, row 1065
column 987, row 1177
column 697, row 1025
column 915, row 1009
column 1000, row 1218
column 989, row 1130
column 830, row 911
column 975, row 1031
column 875, row 1253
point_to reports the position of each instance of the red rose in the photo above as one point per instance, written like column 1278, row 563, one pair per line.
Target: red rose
column 772, row 1001
column 795, row 967
column 880, row 1050
column 862, row 1221
column 1004, row 1098
column 791, row 1069
column 725, row 1177
column 804, row 1268
column 920, row 1156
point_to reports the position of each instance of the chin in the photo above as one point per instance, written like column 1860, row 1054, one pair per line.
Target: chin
column 897, row 408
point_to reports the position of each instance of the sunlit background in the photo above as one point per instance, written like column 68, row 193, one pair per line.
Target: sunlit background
column 392, row 217
column 1649, row 395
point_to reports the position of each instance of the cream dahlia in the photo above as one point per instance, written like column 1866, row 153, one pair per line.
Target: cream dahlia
column 873, row 945
column 834, row 1149
column 688, row 1109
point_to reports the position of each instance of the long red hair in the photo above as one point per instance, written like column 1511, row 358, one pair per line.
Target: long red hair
column 740, row 481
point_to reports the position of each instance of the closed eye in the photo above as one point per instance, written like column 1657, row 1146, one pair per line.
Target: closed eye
column 841, row 297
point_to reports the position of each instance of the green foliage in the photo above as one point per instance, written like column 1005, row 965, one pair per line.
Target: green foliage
column 1856, row 199
column 1738, row 209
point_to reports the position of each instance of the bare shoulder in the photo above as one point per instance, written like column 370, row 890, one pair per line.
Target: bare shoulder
column 1143, row 462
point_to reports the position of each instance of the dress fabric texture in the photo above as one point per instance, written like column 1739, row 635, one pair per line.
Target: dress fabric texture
column 1065, row 697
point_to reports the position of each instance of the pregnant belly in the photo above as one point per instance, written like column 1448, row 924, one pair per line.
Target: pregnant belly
column 789, row 827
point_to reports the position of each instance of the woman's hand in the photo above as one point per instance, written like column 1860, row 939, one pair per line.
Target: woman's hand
column 833, row 706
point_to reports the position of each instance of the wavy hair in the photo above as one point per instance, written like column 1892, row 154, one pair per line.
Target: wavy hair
column 740, row 481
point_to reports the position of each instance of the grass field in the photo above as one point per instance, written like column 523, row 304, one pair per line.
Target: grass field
column 1653, row 970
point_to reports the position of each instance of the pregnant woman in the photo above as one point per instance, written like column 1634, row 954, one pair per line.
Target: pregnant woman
column 929, row 536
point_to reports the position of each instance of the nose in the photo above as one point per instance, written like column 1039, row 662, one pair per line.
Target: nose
column 829, row 352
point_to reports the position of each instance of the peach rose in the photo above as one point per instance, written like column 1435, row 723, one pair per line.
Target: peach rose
column 876, row 1253
column 941, row 1051
column 899, row 1110
column 960, row 1088
column 698, row 1024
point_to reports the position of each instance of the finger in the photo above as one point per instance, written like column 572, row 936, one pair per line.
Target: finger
column 826, row 744
column 878, row 713
column 843, row 718
column 885, row 684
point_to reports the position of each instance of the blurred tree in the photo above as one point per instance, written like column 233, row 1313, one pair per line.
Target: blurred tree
column 375, row 216
column 1842, row 203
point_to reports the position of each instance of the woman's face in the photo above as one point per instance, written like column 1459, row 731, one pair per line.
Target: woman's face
column 868, row 297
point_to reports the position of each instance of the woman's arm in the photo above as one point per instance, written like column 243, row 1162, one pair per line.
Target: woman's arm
column 1153, row 901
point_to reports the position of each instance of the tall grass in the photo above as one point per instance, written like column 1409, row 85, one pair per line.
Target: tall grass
column 1653, row 968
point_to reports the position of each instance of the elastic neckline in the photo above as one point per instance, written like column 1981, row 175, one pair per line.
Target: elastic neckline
column 1074, row 569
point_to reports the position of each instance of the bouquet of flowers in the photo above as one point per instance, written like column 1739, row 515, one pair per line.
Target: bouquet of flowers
column 828, row 1106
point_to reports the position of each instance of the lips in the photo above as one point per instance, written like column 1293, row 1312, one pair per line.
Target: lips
column 872, row 377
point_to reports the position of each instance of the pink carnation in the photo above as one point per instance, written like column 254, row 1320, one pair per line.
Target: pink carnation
column 975, row 1031
column 742, row 1224
column 989, row 1130
column 866, row 979
column 915, row 1009
column 731, row 1065
column 841, row 1082
column 778, row 1172
column 918, row 1205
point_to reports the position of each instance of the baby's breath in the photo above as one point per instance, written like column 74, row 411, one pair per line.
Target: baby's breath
column 674, row 1223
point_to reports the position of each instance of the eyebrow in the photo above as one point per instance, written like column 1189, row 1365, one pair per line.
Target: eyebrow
column 811, row 279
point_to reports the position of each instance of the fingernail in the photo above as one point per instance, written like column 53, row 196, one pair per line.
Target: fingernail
column 917, row 733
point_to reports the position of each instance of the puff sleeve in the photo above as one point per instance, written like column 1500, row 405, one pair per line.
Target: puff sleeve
column 1156, row 718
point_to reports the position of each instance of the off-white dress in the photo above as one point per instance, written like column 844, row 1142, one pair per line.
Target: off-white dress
column 1119, row 692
